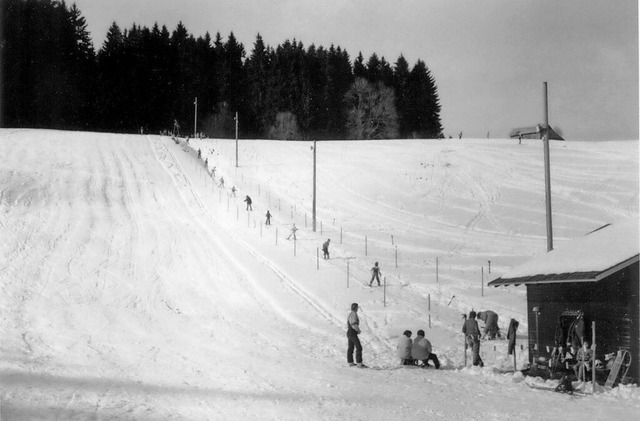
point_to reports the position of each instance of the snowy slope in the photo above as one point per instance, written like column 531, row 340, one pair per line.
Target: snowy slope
column 133, row 287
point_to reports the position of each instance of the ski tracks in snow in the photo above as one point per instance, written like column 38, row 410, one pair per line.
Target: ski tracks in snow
column 168, row 160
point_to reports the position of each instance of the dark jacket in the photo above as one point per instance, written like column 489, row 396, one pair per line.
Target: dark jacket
column 511, row 335
column 470, row 327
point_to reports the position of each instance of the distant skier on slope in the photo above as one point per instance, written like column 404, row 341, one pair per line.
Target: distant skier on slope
column 293, row 232
column 268, row 216
column 325, row 248
column 353, row 330
column 248, row 200
column 375, row 274
column 233, row 191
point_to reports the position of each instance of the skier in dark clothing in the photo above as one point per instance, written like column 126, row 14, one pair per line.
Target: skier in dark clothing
column 325, row 248
column 353, row 330
column 472, row 333
column 375, row 274
column 248, row 200
column 268, row 215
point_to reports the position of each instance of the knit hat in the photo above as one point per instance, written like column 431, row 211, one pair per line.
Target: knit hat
column 472, row 314
column 420, row 332
column 407, row 333
column 354, row 306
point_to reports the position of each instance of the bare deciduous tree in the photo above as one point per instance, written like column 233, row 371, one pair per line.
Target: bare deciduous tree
column 371, row 111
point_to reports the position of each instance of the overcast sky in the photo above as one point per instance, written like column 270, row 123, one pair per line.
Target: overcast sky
column 489, row 58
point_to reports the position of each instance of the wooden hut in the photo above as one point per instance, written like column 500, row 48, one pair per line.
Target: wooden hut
column 594, row 278
column 535, row 132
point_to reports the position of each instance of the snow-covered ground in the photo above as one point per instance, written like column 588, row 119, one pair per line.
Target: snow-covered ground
column 133, row 287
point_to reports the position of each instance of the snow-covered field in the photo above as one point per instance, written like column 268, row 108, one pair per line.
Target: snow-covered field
column 133, row 287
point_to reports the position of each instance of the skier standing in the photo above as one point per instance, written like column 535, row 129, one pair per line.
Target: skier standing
column 472, row 333
column 233, row 191
column 248, row 200
column 375, row 274
column 268, row 215
column 222, row 182
column 325, row 248
column 353, row 330
column 293, row 232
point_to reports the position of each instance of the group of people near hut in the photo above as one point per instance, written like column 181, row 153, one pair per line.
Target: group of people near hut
column 419, row 351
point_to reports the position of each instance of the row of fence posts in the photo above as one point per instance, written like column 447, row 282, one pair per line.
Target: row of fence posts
column 366, row 245
column 366, row 253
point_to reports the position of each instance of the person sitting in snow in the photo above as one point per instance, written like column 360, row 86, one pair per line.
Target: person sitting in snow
column 404, row 348
column 472, row 333
column 421, row 351
column 490, row 320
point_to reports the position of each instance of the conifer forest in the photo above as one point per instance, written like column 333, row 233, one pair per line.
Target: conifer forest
column 146, row 79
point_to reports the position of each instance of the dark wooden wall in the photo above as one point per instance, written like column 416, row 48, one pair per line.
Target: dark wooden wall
column 612, row 303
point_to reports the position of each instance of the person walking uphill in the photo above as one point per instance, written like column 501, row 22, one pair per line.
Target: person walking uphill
column 472, row 334
column 375, row 274
column 325, row 248
column 353, row 330
column 293, row 232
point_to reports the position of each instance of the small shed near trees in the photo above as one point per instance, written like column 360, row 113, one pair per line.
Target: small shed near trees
column 595, row 277
column 535, row 132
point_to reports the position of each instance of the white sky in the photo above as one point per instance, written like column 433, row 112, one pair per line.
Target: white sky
column 489, row 58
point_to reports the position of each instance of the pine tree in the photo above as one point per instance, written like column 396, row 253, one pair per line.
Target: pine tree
column 423, row 103
column 359, row 69
column 339, row 80
column 374, row 71
column 257, row 68
column 400, row 84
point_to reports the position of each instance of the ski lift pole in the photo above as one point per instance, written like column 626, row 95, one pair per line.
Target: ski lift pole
column 347, row 273
column 593, row 358
column 384, row 291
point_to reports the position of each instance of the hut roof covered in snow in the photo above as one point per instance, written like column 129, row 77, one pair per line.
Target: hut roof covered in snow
column 534, row 132
column 587, row 259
